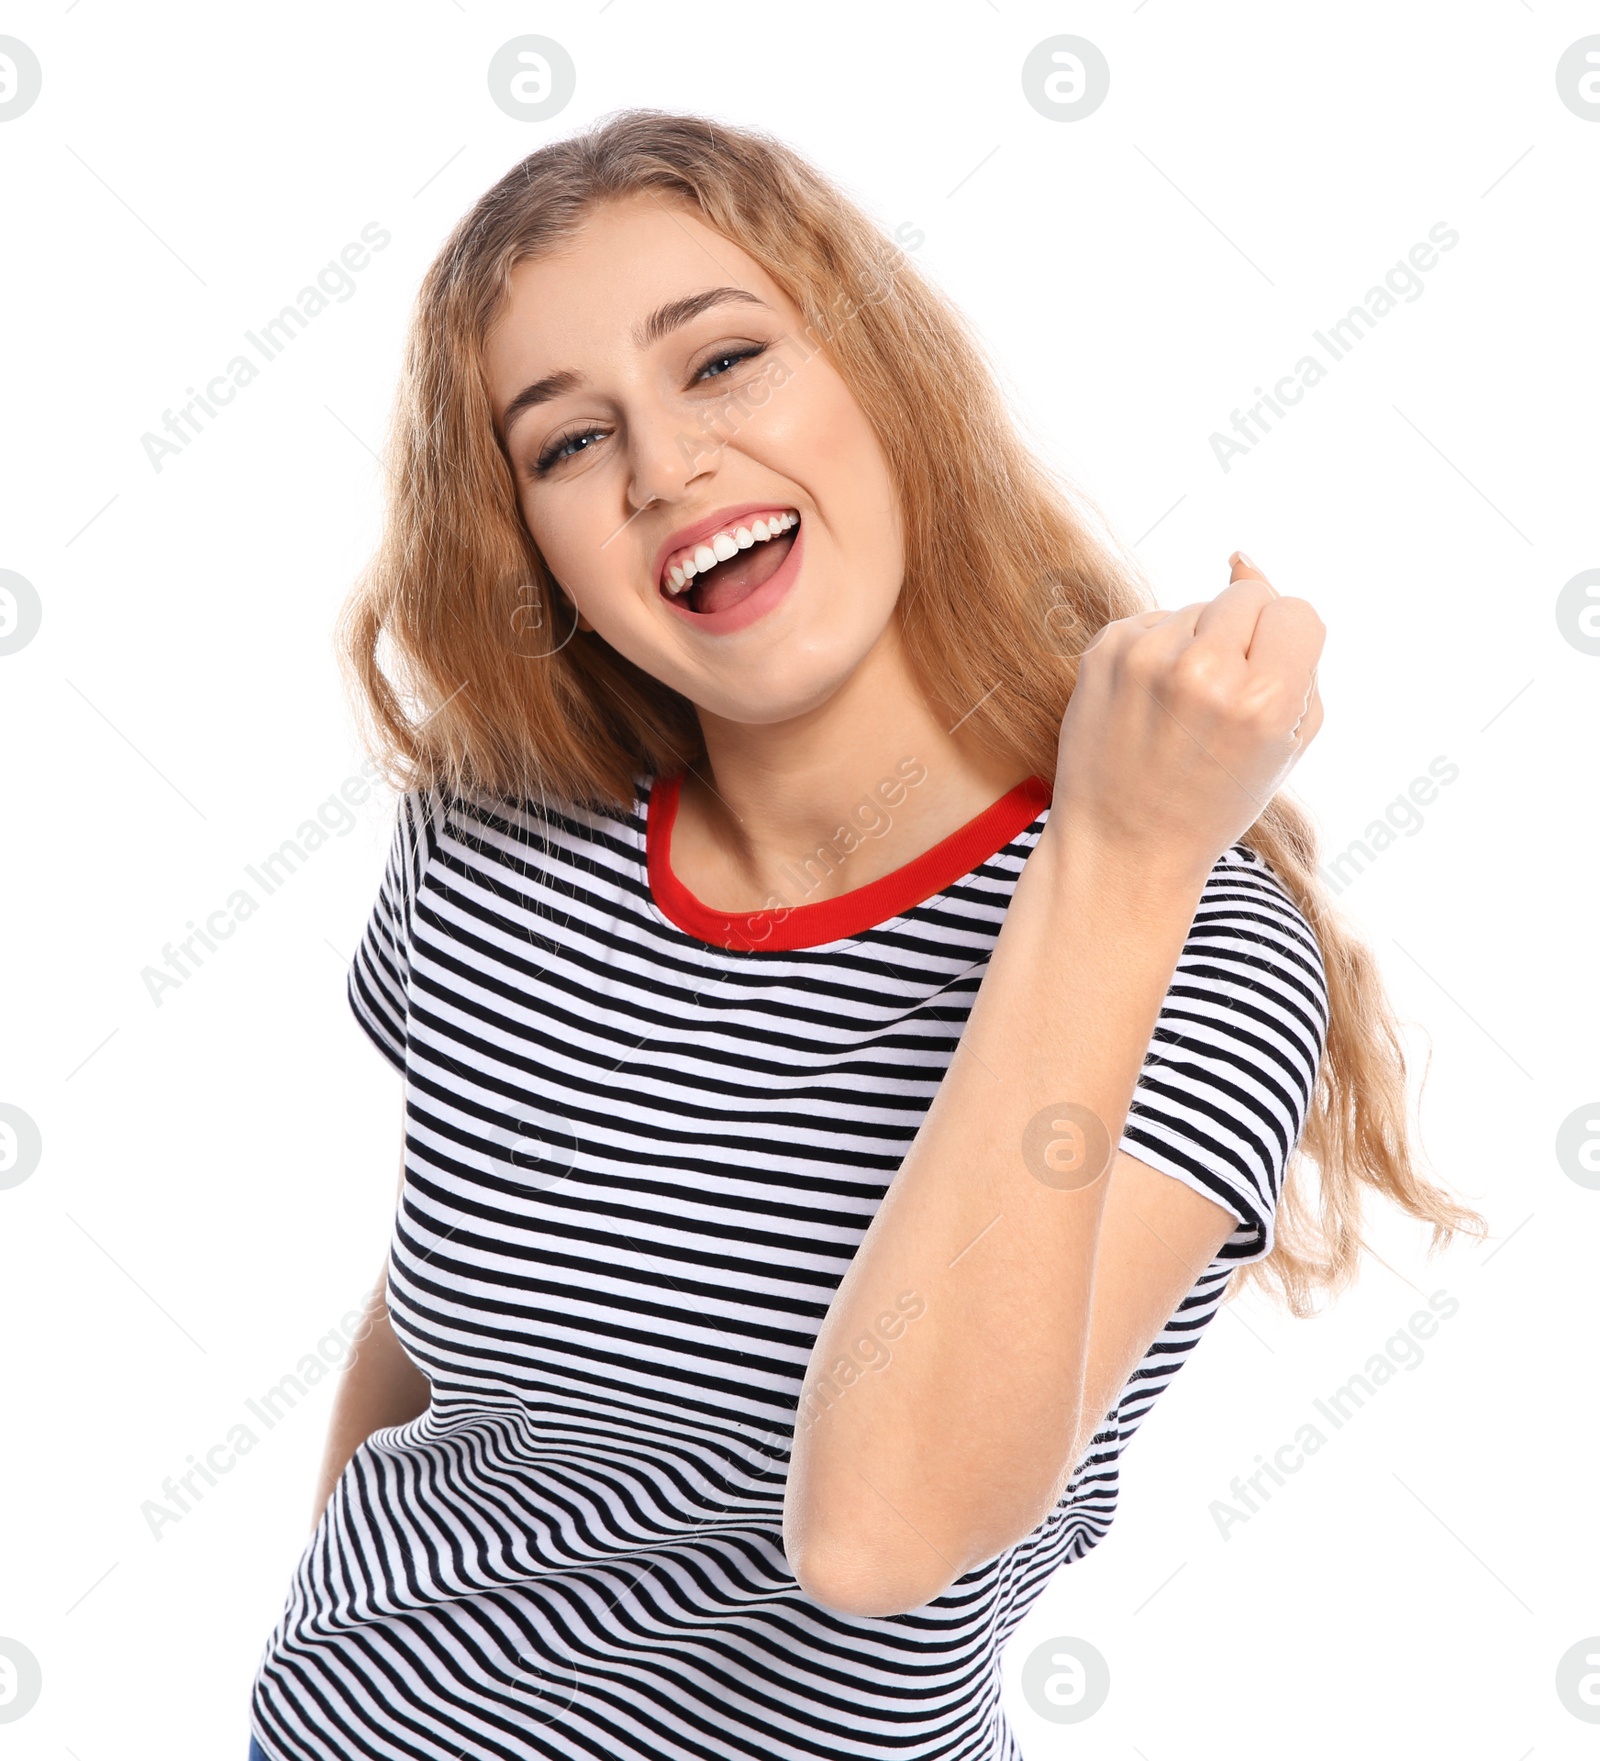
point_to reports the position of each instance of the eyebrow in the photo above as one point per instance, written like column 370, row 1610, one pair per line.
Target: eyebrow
column 660, row 323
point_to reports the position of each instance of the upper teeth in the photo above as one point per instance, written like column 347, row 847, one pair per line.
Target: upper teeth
column 686, row 564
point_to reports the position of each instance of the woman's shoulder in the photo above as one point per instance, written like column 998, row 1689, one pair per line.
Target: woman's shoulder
column 477, row 826
column 1249, row 876
column 441, row 806
column 1248, row 908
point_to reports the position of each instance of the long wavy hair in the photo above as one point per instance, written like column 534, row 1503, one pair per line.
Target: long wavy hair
column 487, row 685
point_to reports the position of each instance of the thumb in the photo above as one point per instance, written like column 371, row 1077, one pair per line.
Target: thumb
column 1245, row 570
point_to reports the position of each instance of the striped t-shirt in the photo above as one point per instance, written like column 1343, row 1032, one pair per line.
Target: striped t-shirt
column 643, row 1140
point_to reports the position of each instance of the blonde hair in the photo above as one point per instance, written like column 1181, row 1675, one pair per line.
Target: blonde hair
column 456, row 584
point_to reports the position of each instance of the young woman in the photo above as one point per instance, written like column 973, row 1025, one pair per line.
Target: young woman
column 858, row 988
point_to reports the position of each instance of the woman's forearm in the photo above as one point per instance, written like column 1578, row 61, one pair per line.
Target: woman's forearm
column 905, row 1477
column 379, row 1386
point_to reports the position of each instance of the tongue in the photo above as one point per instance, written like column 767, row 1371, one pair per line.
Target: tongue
column 725, row 585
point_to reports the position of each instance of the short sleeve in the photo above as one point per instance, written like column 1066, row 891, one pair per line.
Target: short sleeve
column 1227, row 1080
column 379, row 981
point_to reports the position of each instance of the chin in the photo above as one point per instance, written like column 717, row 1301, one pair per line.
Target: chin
column 765, row 697
column 760, row 683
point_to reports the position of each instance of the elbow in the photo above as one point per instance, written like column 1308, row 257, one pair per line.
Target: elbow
column 863, row 1583
column 858, row 1559
column 872, row 1573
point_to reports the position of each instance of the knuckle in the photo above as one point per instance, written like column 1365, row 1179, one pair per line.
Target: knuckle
column 1263, row 703
column 1302, row 609
column 1200, row 676
column 1257, row 705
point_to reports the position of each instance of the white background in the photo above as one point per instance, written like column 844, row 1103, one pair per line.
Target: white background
column 218, row 1171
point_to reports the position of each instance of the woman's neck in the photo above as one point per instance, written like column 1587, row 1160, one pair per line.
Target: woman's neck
column 848, row 793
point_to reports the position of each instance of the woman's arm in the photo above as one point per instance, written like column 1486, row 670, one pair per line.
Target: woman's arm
column 983, row 1254
column 379, row 1386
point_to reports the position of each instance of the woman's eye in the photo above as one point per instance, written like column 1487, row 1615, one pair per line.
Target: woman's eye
column 734, row 355
column 557, row 452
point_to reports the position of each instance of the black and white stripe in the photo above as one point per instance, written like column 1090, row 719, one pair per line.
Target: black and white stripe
column 637, row 1166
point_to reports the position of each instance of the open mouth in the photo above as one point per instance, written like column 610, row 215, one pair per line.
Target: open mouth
column 719, row 572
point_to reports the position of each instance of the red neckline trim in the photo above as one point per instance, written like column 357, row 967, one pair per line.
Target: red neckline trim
column 785, row 928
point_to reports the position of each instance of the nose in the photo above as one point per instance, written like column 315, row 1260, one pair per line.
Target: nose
column 666, row 458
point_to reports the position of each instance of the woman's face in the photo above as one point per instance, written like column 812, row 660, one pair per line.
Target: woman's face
column 671, row 395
